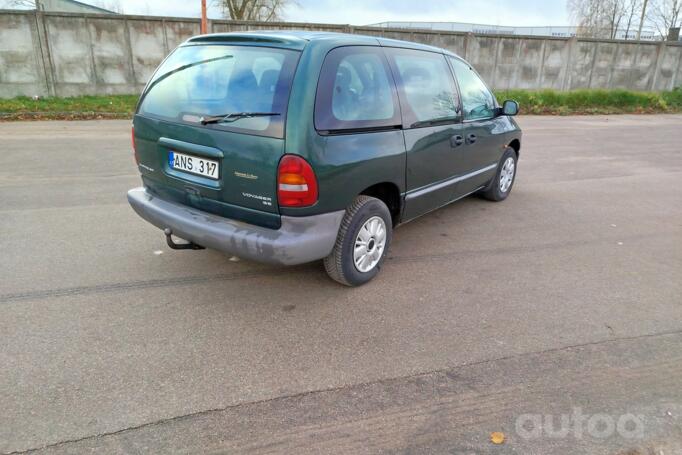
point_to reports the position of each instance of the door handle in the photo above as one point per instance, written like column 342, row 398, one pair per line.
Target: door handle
column 471, row 138
column 456, row 140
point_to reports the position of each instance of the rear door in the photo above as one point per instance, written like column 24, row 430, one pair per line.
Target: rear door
column 226, row 166
column 482, row 149
column 432, row 128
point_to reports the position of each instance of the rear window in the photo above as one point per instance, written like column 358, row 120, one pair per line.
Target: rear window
column 215, row 80
column 356, row 91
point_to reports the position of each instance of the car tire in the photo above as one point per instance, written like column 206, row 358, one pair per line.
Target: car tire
column 367, row 223
column 501, row 185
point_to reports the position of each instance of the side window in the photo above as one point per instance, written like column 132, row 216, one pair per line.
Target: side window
column 477, row 101
column 427, row 86
column 355, row 90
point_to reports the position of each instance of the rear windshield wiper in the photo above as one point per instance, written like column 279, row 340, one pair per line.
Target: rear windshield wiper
column 182, row 68
column 228, row 118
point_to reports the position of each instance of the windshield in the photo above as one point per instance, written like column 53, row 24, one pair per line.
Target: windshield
column 198, row 82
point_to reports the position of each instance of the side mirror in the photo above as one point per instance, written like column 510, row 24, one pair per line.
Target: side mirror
column 510, row 107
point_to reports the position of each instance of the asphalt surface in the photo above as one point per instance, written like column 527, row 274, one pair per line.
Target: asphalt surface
column 565, row 298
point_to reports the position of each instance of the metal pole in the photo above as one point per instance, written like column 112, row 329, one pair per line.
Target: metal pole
column 204, row 22
column 641, row 20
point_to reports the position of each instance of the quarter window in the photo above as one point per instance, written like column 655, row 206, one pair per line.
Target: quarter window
column 477, row 101
column 427, row 87
column 355, row 91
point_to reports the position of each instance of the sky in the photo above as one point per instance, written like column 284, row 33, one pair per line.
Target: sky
column 495, row 12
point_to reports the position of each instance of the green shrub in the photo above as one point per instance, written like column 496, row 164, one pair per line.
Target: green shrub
column 593, row 101
column 673, row 98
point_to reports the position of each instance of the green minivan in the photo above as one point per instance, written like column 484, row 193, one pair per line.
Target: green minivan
column 290, row 147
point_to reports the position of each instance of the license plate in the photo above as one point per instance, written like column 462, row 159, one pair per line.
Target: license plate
column 194, row 164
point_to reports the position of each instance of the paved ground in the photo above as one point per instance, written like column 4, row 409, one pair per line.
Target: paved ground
column 564, row 300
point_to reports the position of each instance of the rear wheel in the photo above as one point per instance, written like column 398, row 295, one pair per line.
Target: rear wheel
column 501, row 185
column 362, row 242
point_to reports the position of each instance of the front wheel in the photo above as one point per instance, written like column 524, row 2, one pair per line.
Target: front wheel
column 501, row 185
column 362, row 242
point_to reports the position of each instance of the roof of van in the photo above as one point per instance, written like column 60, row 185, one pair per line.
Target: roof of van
column 298, row 39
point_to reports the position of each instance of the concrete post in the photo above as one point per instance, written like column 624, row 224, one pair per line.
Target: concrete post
column 45, row 56
column 660, row 53
column 566, row 82
column 129, row 53
column 538, row 82
column 613, row 66
column 467, row 39
column 677, row 76
column 94, row 79
column 594, row 62
column 165, row 37
column 497, row 52
column 517, row 68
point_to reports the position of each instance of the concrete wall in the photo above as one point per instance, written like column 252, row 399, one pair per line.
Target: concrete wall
column 66, row 54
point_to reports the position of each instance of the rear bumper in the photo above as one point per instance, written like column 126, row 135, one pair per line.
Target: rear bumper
column 298, row 240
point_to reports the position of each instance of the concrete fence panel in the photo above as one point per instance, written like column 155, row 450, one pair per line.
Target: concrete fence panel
column 670, row 68
column 643, row 70
column 70, row 53
column 625, row 67
column 179, row 31
column 66, row 54
column 602, row 64
column 482, row 54
column 148, row 47
column 366, row 31
column 21, row 65
column 453, row 43
column 553, row 68
column 111, row 54
column 529, row 64
column 580, row 70
column 506, row 69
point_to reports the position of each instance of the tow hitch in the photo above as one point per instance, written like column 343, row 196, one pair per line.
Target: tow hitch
column 180, row 246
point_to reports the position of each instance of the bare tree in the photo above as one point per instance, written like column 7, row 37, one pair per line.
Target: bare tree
column 641, row 20
column 253, row 10
column 633, row 8
column 598, row 18
column 665, row 14
column 616, row 11
column 111, row 5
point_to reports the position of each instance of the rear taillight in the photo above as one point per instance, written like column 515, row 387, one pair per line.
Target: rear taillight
column 296, row 182
column 137, row 159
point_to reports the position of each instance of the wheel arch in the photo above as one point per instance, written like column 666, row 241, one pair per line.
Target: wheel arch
column 516, row 145
column 389, row 194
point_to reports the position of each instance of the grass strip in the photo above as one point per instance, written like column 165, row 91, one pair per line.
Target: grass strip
column 538, row 102
column 71, row 108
